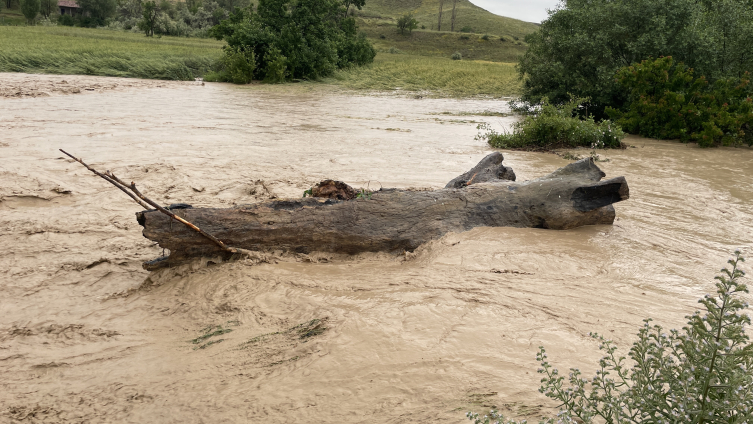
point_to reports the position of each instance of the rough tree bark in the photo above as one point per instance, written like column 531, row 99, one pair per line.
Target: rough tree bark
column 395, row 220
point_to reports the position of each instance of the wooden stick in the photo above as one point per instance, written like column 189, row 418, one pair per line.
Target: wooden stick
column 108, row 179
column 141, row 199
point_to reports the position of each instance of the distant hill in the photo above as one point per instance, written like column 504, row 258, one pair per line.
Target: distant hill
column 468, row 16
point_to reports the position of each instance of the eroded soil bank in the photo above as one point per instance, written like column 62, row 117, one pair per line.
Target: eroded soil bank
column 87, row 336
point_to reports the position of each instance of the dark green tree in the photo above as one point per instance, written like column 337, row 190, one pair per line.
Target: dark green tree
column 149, row 11
column 582, row 44
column 408, row 22
column 48, row 7
column 97, row 11
column 30, row 9
column 357, row 3
column 298, row 39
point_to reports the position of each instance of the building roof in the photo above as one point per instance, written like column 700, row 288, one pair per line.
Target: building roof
column 67, row 3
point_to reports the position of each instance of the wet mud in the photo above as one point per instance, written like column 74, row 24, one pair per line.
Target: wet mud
column 88, row 336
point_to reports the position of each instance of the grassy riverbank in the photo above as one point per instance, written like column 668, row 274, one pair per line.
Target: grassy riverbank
column 427, row 69
column 437, row 76
column 83, row 51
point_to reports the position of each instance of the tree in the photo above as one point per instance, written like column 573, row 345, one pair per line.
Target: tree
column 439, row 24
column 30, row 9
column 48, row 7
column 357, row 3
column 452, row 20
column 583, row 43
column 407, row 22
column 98, row 11
column 150, row 11
column 298, row 39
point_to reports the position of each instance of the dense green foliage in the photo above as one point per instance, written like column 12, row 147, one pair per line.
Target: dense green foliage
column 701, row 374
column 48, row 7
column 149, row 17
column 65, row 50
column 555, row 126
column 295, row 39
column 408, row 22
column 30, row 9
column 583, row 43
column 666, row 101
column 96, row 12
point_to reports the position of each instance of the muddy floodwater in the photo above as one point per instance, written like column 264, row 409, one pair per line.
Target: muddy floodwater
column 86, row 335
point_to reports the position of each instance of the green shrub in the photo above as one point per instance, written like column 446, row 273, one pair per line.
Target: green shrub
column 407, row 22
column 466, row 29
column 313, row 37
column 66, row 20
column 485, row 37
column 30, row 9
column 457, row 56
column 556, row 127
column 668, row 102
column 701, row 374
column 464, row 37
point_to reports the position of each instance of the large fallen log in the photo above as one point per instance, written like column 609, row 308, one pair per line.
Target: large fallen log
column 391, row 219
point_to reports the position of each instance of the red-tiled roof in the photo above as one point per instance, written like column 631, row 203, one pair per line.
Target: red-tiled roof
column 67, row 3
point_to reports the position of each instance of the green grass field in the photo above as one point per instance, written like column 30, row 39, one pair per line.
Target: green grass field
column 433, row 76
column 68, row 50
column 443, row 44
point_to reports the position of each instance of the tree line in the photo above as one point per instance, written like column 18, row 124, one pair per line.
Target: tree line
column 661, row 68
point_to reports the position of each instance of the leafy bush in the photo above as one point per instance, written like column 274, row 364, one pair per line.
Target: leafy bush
column 666, row 101
column 457, row 56
column 553, row 127
column 407, row 22
column 583, row 43
column 299, row 39
column 485, row 37
column 66, row 20
column 466, row 29
column 702, row 374
column 236, row 66
column 30, row 9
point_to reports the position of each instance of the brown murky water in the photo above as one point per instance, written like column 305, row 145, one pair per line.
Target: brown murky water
column 87, row 336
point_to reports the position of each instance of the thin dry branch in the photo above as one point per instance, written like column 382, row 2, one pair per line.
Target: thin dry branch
column 145, row 202
column 118, row 184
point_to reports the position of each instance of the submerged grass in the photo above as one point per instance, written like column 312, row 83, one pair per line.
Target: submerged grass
column 83, row 51
column 439, row 76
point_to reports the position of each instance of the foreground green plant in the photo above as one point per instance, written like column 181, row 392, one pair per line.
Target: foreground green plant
column 554, row 127
column 701, row 374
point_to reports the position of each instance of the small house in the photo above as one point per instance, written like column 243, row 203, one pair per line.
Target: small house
column 68, row 7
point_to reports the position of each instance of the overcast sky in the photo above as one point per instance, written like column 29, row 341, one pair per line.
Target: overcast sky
column 525, row 10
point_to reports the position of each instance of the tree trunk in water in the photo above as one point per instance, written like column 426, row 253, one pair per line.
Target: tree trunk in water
column 395, row 220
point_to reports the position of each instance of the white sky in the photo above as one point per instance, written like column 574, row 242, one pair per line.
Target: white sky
column 525, row 10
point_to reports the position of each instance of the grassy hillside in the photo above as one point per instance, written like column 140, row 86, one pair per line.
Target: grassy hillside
column 68, row 50
column 11, row 16
column 468, row 15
